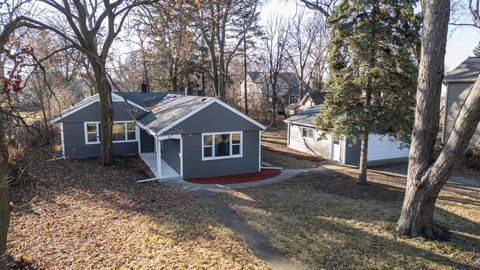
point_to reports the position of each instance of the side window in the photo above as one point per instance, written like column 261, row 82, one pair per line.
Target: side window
column 236, row 143
column 308, row 133
column 92, row 132
column 118, row 132
column 222, row 145
column 207, row 146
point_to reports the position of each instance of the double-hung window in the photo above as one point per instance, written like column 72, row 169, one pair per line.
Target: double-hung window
column 308, row 133
column 221, row 145
column 92, row 132
column 124, row 131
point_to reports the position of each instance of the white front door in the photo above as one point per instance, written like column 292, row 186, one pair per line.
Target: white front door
column 336, row 149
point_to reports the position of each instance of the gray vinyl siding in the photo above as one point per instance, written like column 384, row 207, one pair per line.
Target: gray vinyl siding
column 75, row 147
column 74, row 133
column 93, row 112
column 214, row 118
column 193, row 166
column 456, row 95
column 147, row 142
column 171, row 153
column 319, row 146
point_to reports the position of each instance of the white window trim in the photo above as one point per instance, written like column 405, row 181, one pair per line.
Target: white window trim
column 85, row 133
column 115, row 122
column 213, row 157
column 303, row 137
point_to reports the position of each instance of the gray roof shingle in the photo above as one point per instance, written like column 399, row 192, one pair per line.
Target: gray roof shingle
column 145, row 100
column 170, row 109
column 306, row 117
column 468, row 70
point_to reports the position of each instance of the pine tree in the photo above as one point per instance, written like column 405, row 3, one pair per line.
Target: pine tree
column 372, row 71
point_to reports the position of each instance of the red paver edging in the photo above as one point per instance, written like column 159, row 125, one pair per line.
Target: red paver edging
column 237, row 178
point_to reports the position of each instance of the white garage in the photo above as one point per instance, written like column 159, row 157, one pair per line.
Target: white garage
column 303, row 136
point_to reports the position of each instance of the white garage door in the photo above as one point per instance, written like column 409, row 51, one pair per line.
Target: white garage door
column 385, row 147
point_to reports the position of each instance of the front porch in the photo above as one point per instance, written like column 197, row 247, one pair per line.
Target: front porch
column 166, row 170
column 162, row 154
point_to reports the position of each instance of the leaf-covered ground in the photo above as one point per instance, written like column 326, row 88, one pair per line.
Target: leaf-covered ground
column 327, row 221
column 79, row 215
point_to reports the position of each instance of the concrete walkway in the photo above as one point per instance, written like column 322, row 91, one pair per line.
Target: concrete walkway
column 260, row 246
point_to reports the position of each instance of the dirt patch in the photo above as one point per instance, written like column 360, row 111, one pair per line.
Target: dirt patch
column 237, row 178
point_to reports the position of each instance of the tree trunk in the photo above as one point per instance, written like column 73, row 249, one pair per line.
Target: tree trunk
column 4, row 196
column 273, row 124
column 362, row 166
column 104, row 90
column 424, row 181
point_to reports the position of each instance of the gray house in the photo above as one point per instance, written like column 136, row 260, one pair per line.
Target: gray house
column 303, row 136
column 458, row 84
column 176, row 135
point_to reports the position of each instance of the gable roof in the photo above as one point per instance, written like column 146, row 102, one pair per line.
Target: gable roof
column 174, row 109
column 467, row 71
column 90, row 100
column 316, row 96
column 162, row 110
column 306, row 117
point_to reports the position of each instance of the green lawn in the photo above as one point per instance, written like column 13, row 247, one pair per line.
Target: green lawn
column 326, row 221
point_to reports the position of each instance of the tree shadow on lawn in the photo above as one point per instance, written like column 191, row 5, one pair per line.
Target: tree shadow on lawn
column 322, row 216
column 116, row 188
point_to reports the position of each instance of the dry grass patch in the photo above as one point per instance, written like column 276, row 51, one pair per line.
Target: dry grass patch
column 275, row 150
column 79, row 215
column 325, row 220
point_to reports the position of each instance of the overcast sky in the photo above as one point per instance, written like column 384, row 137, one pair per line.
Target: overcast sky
column 460, row 44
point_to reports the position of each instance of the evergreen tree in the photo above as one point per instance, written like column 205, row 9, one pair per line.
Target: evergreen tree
column 372, row 71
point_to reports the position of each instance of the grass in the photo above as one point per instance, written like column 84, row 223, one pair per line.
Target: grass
column 326, row 221
column 275, row 151
column 79, row 215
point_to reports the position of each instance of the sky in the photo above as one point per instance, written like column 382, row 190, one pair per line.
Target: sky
column 460, row 42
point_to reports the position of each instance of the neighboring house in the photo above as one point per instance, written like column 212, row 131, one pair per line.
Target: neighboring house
column 303, row 136
column 176, row 135
column 312, row 99
column 258, row 87
column 458, row 83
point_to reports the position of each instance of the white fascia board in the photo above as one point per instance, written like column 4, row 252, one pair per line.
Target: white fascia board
column 115, row 98
column 150, row 131
column 61, row 116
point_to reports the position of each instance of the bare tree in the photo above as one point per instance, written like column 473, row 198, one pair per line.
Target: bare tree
column 10, row 21
column 307, row 49
column 325, row 7
column 426, row 176
column 274, row 62
column 218, row 21
column 93, row 26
